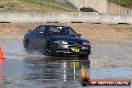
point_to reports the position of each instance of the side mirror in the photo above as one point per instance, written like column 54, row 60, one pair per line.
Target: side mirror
column 79, row 34
column 29, row 30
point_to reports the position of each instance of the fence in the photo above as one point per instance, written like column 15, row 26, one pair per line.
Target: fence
column 65, row 17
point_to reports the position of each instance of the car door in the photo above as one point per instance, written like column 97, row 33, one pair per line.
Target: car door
column 39, row 38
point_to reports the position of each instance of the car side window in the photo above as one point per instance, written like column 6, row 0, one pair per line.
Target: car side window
column 41, row 29
column 63, row 32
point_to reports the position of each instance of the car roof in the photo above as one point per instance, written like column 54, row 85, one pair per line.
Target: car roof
column 53, row 25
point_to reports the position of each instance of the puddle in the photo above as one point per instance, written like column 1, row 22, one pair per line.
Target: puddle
column 109, row 60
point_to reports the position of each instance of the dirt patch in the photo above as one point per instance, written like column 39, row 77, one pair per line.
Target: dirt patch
column 91, row 31
column 104, row 31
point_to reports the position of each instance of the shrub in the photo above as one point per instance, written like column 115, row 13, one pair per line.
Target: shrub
column 121, row 2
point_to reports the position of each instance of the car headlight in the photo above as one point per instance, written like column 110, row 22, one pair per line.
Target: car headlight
column 61, row 42
column 86, row 43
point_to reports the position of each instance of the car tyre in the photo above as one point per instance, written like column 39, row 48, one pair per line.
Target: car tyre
column 83, row 56
column 47, row 49
column 26, row 44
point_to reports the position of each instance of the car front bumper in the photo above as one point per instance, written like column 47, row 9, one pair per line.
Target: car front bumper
column 71, row 49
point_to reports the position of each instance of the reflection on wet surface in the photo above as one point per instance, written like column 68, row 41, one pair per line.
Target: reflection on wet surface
column 109, row 60
column 46, row 71
column 54, row 71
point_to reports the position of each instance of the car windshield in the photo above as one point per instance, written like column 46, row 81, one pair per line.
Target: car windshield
column 58, row 30
column 67, row 31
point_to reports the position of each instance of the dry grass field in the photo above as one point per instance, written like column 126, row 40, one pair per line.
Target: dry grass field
column 91, row 31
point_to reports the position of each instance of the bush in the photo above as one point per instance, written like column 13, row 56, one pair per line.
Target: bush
column 84, row 9
column 121, row 2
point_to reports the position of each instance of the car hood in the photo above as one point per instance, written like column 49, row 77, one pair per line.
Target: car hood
column 69, row 38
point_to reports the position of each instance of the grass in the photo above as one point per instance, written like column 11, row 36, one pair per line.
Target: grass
column 35, row 6
column 124, row 3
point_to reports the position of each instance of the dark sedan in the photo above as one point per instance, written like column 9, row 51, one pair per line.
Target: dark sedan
column 57, row 40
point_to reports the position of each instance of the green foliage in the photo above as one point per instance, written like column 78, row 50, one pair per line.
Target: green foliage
column 53, row 3
column 121, row 2
column 35, row 6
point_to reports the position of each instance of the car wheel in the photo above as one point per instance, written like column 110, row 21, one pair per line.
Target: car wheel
column 26, row 44
column 83, row 56
column 47, row 49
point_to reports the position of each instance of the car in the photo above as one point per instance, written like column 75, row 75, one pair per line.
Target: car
column 56, row 40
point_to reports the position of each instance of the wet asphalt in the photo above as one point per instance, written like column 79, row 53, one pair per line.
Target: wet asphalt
column 109, row 60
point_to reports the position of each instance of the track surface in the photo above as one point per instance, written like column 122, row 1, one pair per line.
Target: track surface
column 109, row 60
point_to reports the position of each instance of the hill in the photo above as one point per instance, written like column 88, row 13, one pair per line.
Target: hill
column 35, row 5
